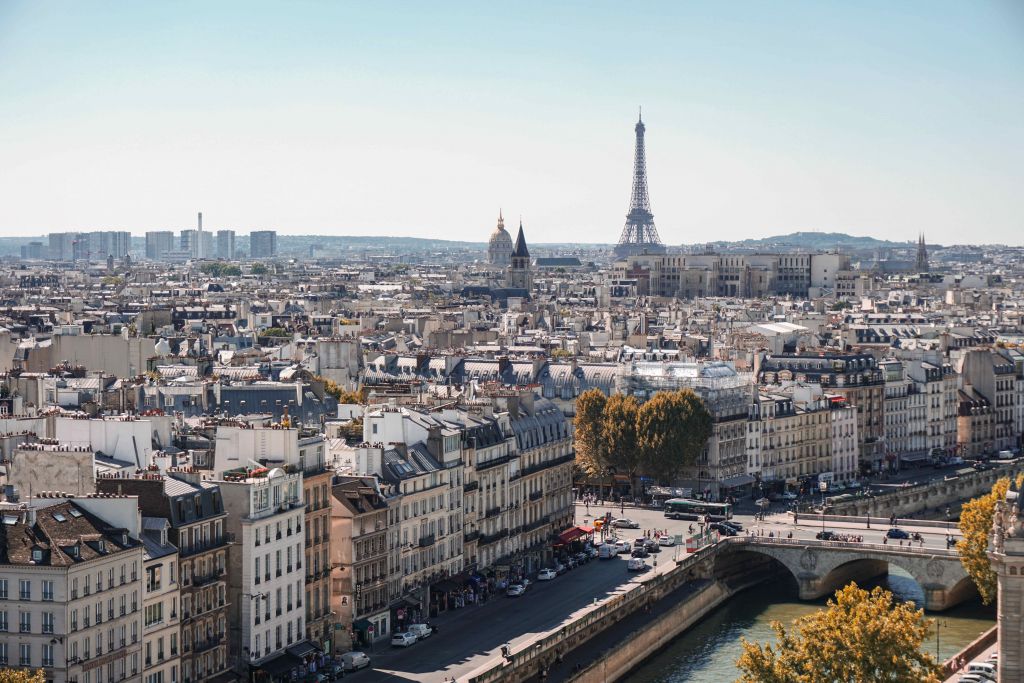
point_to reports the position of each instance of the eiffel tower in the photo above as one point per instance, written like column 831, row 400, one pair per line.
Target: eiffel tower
column 639, row 236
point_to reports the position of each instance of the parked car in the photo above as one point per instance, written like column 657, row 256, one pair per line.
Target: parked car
column 570, row 562
column 592, row 552
column 825, row 535
column 973, row 678
column 897, row 533
column 403, row 639
column 546, row 574
column 559, row 567
column 421, row 631
column 636, row 564
column 640, row 552
column 624, row 547
column 582, row 558
column 515, row 590
column 353, row 661
column 723, row 529
column 607, row 552
column 854, row 484
column 734, row 524
column 334, row 671
column 789, row 495
column 667, row 541
column 651, row 546
column 625, row 523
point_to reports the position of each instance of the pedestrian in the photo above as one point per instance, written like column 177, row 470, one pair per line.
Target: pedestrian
column 885, row 540
column 869, row 521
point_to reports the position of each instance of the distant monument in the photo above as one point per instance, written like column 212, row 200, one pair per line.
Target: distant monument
column 922, row 255
column 639, row 236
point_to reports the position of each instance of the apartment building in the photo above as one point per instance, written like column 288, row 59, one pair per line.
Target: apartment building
column 161, row 605
column 938, row 382
column 854, row 376
column 360, row 561
column 280, row 444
column 989, row 377
column 71, row 588
column 266, row 577
column 906, row 418
column 196, row 517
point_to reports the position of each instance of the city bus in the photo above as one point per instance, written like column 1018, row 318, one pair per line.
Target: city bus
column 684, row 508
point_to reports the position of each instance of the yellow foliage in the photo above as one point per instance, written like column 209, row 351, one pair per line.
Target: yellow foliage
column 859, row 636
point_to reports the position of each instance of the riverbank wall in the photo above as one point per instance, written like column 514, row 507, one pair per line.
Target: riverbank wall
column 976, row 647
column 525, row 660
column 936, row 495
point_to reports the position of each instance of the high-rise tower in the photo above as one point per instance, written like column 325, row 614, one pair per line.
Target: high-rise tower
column 639, row 235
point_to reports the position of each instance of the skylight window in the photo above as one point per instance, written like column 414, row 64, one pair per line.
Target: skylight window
column 59, row 517
column 10, row 520
column 74, row 512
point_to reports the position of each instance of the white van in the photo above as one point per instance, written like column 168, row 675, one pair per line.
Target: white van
column 607, row 552
column 985, row 669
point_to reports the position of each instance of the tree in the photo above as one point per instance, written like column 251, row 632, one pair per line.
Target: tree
column 275, row 332
column 259, row 269
column 859, row 636
column 619, row 446
column 976, row 526
column 588, row 426
column 22, row 676
column 343, row 396
column 672, row 429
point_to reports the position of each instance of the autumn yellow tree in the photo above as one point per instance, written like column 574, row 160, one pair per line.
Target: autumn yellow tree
column 859, row 636
column 619, row 445
column 588, row 426
column 672, row 429
column 22, row 676
column 976, row 527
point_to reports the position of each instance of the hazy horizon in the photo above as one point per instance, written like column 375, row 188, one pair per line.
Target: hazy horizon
column 876, row 119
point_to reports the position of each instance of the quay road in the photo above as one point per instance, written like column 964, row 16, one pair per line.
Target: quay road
column 472, row 636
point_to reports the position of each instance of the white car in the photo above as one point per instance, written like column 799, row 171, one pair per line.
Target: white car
column 515, row 590
column 789, row 495
column 546, row 574
column 421, row 631
column 636, row 564
column 667, row 541
column 625, row 523
column 403, row 639
column 624, row 547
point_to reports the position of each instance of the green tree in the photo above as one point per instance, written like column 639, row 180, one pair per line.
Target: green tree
column 976, row 526
column 275, row 332
column 259, row 269
column 22, row 676
column 859, row 636
column 672, row 427
column 588, row 427
column 619, row 445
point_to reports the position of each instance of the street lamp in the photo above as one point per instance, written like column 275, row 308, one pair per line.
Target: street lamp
column 939, row 623
column 823, row 487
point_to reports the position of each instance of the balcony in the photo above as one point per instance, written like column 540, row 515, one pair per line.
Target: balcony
column 486, row 539
column 207, row 644
column 470, row 536
column 470, row 486
column 493, row 512
column 536, row 495
column 427, row 541
column 207, row 578
column 541, row 466
column 212, row 544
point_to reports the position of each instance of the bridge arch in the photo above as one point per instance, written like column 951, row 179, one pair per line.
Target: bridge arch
column 820, row 568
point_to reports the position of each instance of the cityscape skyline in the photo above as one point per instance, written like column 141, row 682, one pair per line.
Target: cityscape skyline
column 881, row 121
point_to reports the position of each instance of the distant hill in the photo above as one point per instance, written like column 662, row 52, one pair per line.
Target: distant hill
column 816, row 241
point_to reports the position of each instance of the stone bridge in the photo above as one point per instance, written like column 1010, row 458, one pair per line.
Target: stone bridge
column 820, row 567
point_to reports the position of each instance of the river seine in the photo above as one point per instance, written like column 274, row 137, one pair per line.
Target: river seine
column 707, row 653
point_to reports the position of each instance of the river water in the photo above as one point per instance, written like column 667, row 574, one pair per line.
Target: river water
column 707, row 653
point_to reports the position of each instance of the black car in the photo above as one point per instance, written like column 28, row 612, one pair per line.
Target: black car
column 640, row 552
column 897, row 533
column 651, row 546
column 735, row 525
column 825, row 535
column 724, row 529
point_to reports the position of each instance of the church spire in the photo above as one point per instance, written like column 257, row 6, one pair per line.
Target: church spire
column 922, row 254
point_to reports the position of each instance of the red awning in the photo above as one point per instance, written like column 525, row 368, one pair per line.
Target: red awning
column 586, row 529
column 570, row 535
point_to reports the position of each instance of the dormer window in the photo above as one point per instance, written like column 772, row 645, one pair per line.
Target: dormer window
column 37, row 555
column 101, row 545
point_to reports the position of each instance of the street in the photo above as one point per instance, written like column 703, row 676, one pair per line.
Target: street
column 469, row 637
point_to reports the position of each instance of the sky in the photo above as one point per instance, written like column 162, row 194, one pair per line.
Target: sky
column 424, row 119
